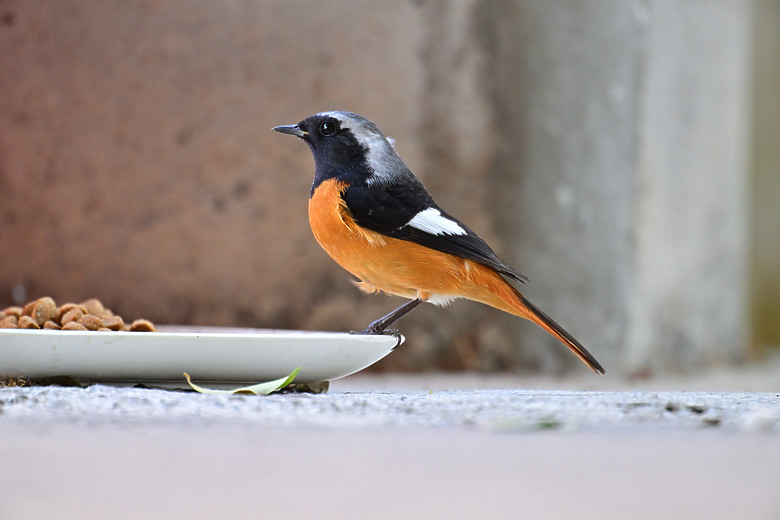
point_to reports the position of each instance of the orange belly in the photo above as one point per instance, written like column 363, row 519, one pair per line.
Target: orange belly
column 396, row 266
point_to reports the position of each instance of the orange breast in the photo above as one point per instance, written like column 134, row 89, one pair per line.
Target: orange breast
column 397, row 266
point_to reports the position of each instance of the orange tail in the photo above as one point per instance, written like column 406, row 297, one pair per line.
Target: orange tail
column 503, row 296
column 531, row 312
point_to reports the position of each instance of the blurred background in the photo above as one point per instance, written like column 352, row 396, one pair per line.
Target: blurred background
column 622, row 154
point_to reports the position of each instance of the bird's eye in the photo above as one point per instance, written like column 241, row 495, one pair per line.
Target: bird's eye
column 327, row 128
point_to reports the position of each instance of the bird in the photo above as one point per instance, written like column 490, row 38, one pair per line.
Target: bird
column 375, row 218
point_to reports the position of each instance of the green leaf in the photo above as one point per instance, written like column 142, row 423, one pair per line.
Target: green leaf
column 258, row 389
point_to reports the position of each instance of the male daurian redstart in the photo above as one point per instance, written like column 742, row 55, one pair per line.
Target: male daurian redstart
column 372, row 215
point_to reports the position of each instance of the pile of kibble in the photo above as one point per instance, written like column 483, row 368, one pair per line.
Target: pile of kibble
column 43, row 313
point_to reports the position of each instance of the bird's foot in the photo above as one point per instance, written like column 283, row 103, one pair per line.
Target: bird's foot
column 375, row 331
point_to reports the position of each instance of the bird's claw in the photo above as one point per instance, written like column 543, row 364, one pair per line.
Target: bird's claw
column 370, row 331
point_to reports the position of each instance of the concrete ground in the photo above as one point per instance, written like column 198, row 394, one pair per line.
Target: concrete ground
column 427, row 446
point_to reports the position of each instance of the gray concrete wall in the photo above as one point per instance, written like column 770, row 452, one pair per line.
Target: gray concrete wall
column 628, row 154
column 690, row 299
column 573, row 83
column 598, row 146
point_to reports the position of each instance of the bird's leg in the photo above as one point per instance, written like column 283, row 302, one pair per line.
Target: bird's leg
column 379, row 326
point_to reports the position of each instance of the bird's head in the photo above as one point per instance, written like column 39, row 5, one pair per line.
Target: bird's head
column 349, row 147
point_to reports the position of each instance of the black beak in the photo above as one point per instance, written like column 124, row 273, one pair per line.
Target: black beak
column 291, row 130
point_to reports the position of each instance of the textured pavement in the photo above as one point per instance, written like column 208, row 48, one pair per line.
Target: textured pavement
column 480, row 410
column 397, row 447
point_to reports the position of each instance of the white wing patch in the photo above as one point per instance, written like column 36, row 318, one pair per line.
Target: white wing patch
column 431, row 221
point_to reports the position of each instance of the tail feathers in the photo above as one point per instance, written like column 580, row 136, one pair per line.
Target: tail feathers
column 489, row 287
column 536, row 315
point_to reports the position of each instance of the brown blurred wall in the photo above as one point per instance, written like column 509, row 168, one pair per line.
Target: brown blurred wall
column 137, row 163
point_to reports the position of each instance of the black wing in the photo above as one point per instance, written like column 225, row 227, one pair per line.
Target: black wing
column 389, row 210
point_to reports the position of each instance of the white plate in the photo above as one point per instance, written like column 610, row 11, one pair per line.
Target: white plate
column 207, row 354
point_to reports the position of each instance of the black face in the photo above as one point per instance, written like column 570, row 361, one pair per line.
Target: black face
column 337, row 153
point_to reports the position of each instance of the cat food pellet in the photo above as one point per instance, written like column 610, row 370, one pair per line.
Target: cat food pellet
column 73, row 325
column 26, row 322
column 91, row 322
